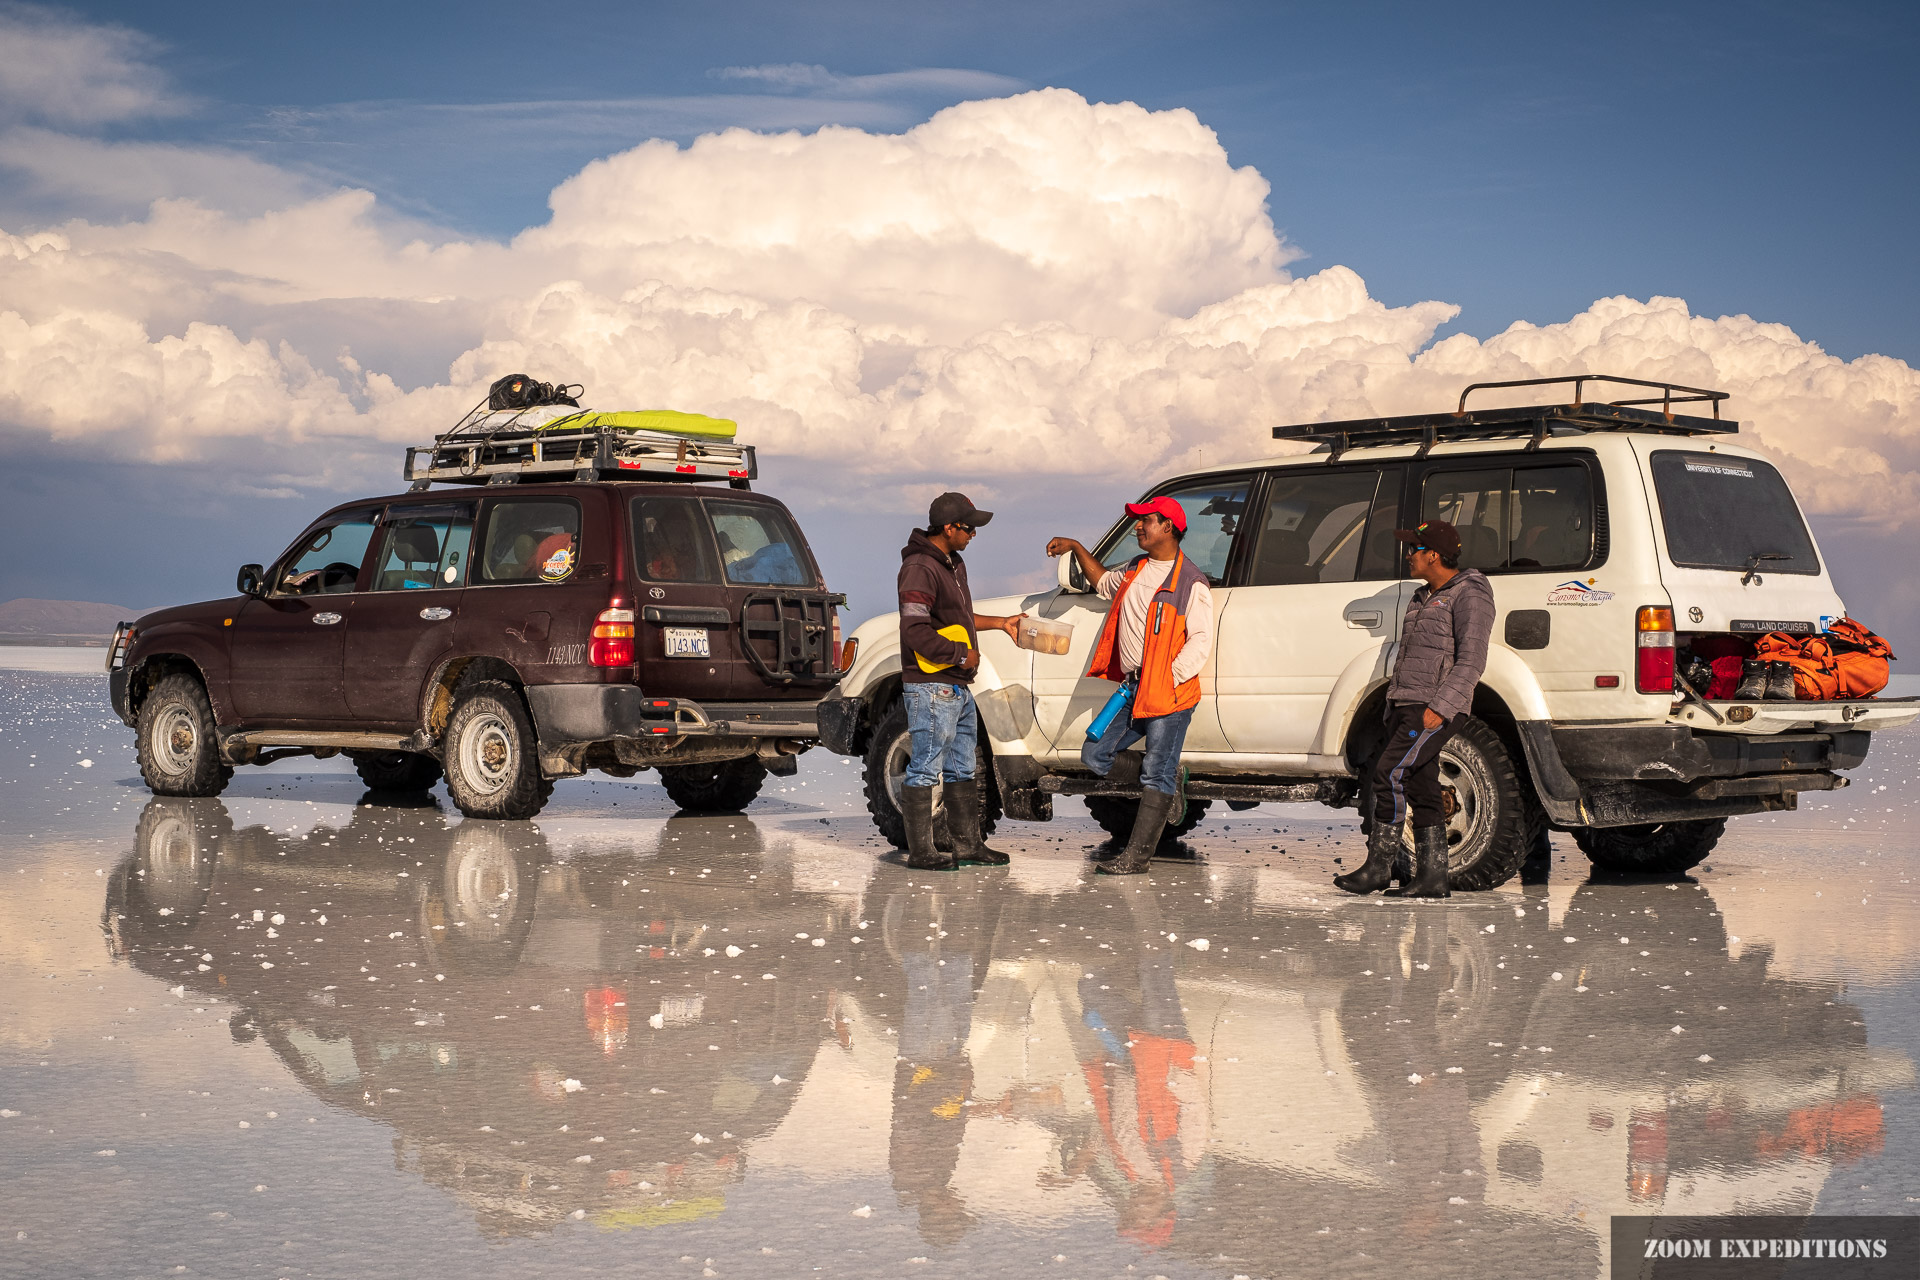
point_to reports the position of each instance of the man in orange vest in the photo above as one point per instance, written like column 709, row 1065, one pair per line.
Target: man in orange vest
column 1158, row 636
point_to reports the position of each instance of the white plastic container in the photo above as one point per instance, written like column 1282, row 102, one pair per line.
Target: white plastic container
column 1042, row 636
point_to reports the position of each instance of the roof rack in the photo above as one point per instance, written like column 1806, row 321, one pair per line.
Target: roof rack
column 547, row 443
column 1537, row 421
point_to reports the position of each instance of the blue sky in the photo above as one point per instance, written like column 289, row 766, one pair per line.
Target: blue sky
column 1517, row 162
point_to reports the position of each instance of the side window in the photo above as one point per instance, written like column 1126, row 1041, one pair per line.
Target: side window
column 531, row 540
column 758, row 546
column 670, row 542
column 423, row 549
column 327, row 560
column 1216, row 507
column 1381, row 556
column 1515, row 520
column 1314, row 528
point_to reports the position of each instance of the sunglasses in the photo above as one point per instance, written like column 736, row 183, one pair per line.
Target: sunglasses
column 964, row 528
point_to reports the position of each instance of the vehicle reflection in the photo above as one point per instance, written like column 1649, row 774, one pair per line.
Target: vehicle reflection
column 1314, row 1083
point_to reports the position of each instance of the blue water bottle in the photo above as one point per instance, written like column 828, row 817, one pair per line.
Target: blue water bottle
column 1116, row 707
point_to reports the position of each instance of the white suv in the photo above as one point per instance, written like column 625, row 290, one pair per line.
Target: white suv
column 1615, row 536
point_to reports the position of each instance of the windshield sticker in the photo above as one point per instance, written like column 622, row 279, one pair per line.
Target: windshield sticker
column 1720, row 469
column 1574, row 591
column 558, row 565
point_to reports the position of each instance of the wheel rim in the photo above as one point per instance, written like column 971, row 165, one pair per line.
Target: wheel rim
column 483, row 885
column 1466, row 776
column 176, row 739
column 487, row 756
column 899, row 753
column 173, row 865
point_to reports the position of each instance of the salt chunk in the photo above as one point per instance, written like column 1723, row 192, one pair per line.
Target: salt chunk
column 278, row 918
column 579, row 1214
column 583, row 1159
column 1705, row 1057
column 1198, row 944
column 864, row 1211
column 1557, row 976
column 1456, row 1199
column 819, row 942
column 657, row 1021
column 1678, row 1029
column 572, row 1086
column 259, row 915
column 1416, row 1078
column 86, row 764
column 701, row 1140
column 1488, row 929
column 778, row 1078
column 5, row 1114
column 732, row 951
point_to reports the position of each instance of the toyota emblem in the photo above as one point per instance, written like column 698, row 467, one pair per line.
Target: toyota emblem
column 659, row 593
column 1695, row 615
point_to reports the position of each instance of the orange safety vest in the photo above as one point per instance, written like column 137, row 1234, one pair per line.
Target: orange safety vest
column 1158, row 695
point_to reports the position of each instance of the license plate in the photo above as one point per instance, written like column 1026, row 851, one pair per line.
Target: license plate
column 687, row 642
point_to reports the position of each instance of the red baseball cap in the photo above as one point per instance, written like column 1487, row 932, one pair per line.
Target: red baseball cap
column 1164, row 507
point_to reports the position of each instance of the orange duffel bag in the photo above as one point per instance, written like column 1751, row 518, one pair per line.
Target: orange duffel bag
column 1860, row 657
column 1848, row 661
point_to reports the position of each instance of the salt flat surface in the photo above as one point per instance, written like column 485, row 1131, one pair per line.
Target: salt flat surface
column 297, row 1031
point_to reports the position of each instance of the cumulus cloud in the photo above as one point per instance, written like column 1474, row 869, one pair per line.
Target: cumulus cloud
column 1018, row 290
column 61, row 71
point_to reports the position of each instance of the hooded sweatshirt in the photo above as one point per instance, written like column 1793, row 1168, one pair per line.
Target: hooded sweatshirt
column 933, row 594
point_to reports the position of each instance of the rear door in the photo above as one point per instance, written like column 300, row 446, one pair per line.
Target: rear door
column 404, row 622
column 1738, row 555
column 1322, row 597
column 289, row 647
column 685, row 638
column 783, row 623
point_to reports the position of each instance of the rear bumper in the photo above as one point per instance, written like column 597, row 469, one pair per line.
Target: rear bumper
column 574, row 714
column 1623, row 775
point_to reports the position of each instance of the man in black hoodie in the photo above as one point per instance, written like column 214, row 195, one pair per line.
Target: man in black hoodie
column 939, row 653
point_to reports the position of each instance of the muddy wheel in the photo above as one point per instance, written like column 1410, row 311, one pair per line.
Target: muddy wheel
column 1493, row 823
column 493, row 769
column 886, row 773
column 1115, row 815
column 396, row 771
column 725, row 786
column 179, row 754
column 1660, row 848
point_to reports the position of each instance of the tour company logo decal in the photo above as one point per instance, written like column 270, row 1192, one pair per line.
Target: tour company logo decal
column 1574, row 591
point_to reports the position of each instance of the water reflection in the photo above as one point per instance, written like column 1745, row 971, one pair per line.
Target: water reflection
column 1199, row 1066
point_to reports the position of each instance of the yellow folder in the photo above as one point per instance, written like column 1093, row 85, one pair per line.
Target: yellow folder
column 954, row 632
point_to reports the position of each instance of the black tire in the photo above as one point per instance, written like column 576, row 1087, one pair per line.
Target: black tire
column 1496, row 822
column 492, row 763
column 397, row 771
column 1660, row 848
column 179, row 753
column 725, row 786
column 887, row 755
column 1115, row 814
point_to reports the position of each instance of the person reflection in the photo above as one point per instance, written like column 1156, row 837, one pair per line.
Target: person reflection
column 1147, row 1080
column 940, row 943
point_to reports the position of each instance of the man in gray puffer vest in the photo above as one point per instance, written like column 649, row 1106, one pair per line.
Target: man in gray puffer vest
column 1443, row 651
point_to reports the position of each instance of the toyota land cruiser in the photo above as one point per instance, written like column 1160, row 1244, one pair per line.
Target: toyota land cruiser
column 1615, row 536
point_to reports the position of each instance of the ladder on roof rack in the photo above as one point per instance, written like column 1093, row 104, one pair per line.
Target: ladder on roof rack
column 543, row 450
column 1536, row 421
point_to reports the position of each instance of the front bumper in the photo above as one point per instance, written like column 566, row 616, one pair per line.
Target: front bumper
column 840, row 724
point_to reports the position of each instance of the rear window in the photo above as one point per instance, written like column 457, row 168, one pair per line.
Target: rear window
column 531, row 540
column 1730, row 513
column 670, row 541
column 758, row 546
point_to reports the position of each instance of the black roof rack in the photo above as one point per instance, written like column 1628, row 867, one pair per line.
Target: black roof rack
column 1536, row 421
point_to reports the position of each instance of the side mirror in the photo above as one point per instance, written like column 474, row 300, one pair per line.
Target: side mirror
column 251, row 580
column 1071, row 579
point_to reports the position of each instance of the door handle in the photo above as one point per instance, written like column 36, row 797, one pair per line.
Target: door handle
column 325, row 619
column 436, row 614
column 1365, row 617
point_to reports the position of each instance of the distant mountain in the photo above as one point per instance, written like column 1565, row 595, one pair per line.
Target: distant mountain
column 28, row 621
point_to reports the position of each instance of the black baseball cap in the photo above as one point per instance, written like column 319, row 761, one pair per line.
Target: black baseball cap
column 955, row 508
column 1434, row 535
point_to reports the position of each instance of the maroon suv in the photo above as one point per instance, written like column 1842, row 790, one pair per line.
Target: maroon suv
column 505, row 636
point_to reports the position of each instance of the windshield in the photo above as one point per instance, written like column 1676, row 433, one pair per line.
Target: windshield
column 1724, row 512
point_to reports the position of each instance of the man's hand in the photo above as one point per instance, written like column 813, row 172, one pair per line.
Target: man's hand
column 1060, row 546
column 1090, row 568
column 1010, row 625
column 1432, row 719
column 972, row 660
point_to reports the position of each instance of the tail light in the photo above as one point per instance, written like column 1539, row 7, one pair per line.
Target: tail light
column 1653, row 650
column 835, row 614
column 612, row 642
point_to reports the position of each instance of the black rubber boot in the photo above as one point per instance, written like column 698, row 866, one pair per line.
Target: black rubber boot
column 916, row 809
column 1384, row 851
column 963, row 820
column 1147, row 826
column 1429, row 865
column 1780, row 682
column 1753, row 681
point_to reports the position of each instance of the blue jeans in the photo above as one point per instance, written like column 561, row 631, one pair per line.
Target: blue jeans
column 1165, row 736
column 944, row 726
